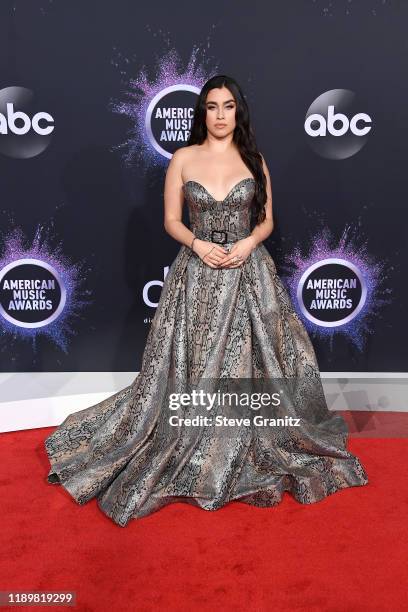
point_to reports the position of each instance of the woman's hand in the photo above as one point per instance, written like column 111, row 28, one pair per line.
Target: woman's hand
column 240, row 251
column 209, row 252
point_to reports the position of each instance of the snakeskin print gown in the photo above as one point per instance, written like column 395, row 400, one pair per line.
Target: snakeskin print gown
column 210, row 325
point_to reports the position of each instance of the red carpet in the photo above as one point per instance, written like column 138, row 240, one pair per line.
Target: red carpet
column 347, row 553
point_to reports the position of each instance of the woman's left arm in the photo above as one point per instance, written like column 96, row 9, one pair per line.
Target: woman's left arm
column 264, row 229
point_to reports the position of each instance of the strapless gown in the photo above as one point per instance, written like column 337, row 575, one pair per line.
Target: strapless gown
column 210, row 325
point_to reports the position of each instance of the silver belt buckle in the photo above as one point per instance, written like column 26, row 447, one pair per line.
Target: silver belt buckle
column 219, row 232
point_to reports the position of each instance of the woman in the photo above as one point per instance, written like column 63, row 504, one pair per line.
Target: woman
column 224, row 321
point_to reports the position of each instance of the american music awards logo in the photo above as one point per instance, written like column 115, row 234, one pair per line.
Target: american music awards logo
column 169, row 117
column 337, row 288
column 332, row 292
column 33, row 293
column 41, row 291
column 161, row 110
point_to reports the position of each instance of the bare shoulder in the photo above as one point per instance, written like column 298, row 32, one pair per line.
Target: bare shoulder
column 178, row 162
column 185, row 153
column 182, row 157
column 264, row 165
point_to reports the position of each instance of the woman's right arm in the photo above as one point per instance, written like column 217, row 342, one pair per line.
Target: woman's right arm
column 173, row 201
column 208, row 252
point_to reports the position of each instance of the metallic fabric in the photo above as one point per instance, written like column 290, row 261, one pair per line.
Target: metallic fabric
column 212, row 325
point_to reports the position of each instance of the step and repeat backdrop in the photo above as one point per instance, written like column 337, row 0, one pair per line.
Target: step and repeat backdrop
column 95, row 97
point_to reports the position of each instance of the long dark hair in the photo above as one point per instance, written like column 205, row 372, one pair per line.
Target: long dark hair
column 243, row 137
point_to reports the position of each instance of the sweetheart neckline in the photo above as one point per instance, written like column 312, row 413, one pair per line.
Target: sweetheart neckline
column 248, row 178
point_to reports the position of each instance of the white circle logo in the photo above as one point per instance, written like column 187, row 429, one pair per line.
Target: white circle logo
column 169, row 118
column 331, row 292
column 32, row 293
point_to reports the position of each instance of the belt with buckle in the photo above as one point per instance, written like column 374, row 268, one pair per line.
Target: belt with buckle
column 221, row 236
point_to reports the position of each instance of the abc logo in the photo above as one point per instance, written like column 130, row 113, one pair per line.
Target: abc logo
column 328, row 126
column 24, row 130
column 335, row 126
column 154, row 283
column 10, row 122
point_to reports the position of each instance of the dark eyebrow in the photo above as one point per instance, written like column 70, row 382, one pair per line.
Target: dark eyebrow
column 227, row 102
